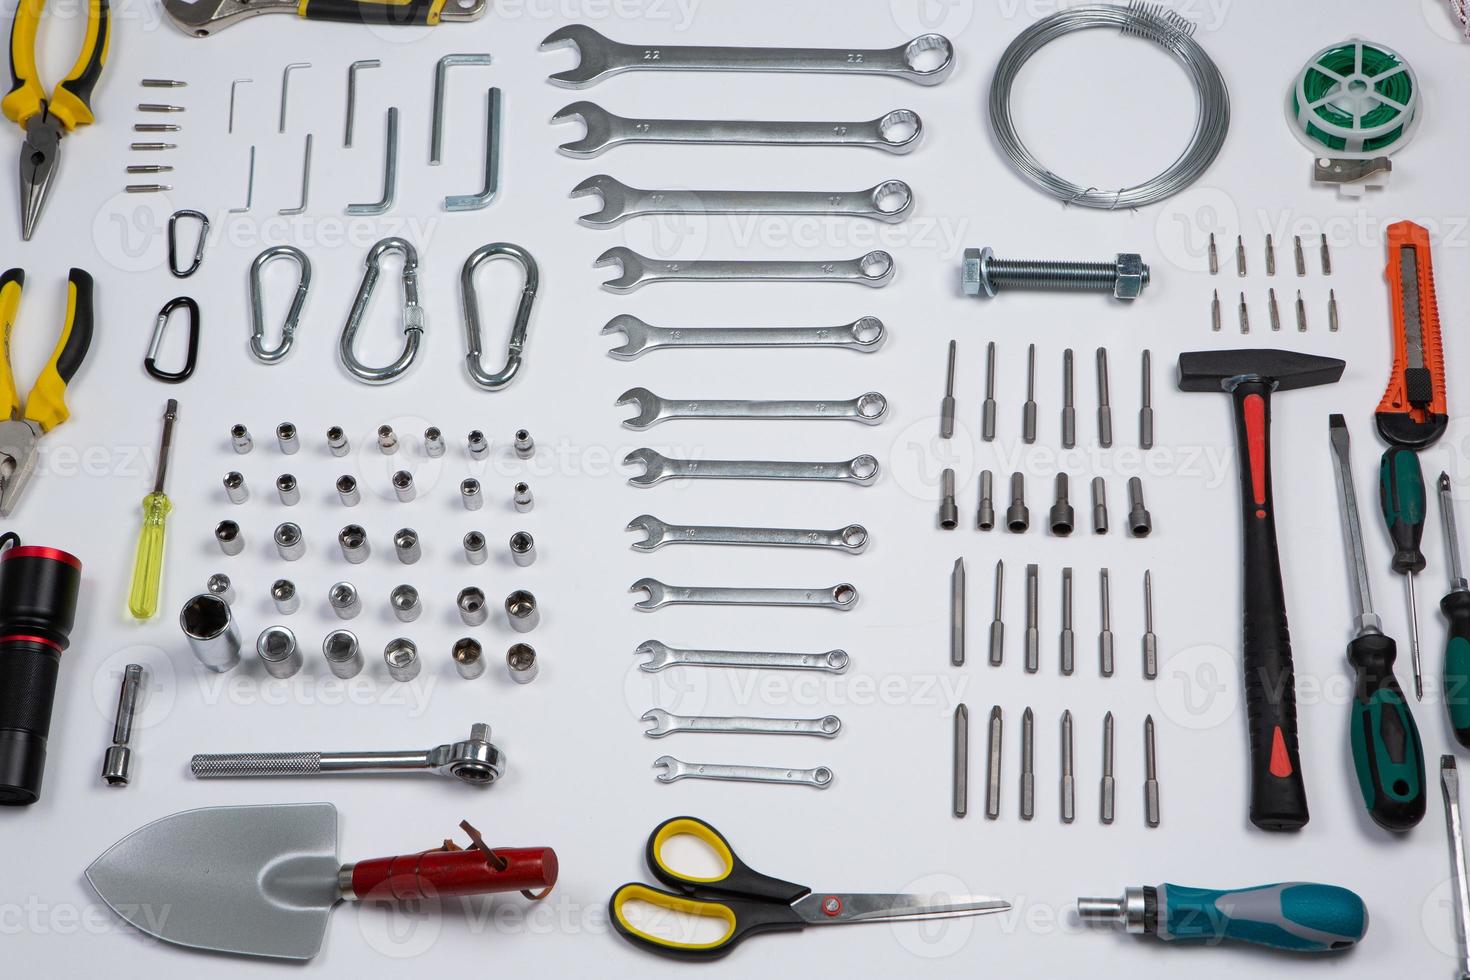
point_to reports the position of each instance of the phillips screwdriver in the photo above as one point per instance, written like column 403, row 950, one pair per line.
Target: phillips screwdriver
column 1456, row 608
column 1293, row 917
column 148, row 565
column 1386, row 750
column 1401, row 495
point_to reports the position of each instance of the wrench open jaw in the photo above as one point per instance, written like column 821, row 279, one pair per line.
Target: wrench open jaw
column 594, row 55
column 632, row 270
column 616, row 197
column 865, row 335
column 597, row 123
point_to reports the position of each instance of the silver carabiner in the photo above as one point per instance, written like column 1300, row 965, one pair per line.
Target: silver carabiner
column 517, row 345
column 413, row 314
column 257, row 303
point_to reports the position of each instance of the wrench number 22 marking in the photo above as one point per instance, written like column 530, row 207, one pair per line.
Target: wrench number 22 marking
column 652, row 54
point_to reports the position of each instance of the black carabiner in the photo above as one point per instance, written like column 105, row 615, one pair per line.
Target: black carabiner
column 173, row 242
column 150, row 363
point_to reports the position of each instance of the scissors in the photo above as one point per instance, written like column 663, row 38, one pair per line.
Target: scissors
column 748, row 902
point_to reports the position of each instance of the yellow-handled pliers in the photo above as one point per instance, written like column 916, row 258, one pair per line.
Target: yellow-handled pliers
column 45, row 407
column 45, row 120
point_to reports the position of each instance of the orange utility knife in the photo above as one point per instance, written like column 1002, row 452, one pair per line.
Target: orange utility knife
column 1413, row 413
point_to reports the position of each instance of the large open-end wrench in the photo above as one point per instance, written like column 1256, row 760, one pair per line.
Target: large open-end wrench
column 889, row 201
column 665, row 723
column 898, row 131
column 670, row 769
column 842, row 596
column 864, row 334
column 861, row 470
column 927, row 59
column 869, row 408
column 852, row 539
column 875, row 269
column 662, row 656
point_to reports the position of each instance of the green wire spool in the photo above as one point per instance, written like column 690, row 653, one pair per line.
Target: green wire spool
column 1354, row 100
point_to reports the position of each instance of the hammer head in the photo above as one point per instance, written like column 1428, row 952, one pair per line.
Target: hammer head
column 1222, row 370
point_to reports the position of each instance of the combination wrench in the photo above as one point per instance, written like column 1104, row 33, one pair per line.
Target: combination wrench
column 898, row 131
column 841, row 597
column 861, row 470
column 670, row 769
column 874, row 269
column 865, row 334
column 927, row 59
column 669, row 724
column 852, row 539
column 891, row 201
column 869, row 408
column 662, row 656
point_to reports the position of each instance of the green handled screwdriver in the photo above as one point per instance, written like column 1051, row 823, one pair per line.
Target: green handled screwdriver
column 1293, row 917
column 1401, row 495
column 1387, row 753
column 1456, row 608
column 148, row 565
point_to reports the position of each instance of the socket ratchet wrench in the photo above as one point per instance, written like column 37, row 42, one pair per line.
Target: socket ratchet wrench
column 927, row 59
column 852, row 539
column 841, row 596
column 665, row 723
column 670, row 769
column 662, row 656
column 475, row 761
column 890, row 201
column 865, row 334
column 872, row 269
column 869, row 408
column 861, row 470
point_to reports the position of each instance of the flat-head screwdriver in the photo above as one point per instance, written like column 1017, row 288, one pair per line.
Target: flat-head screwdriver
column 148, row 565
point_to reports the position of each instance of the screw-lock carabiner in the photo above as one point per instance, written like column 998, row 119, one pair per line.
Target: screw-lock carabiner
column 257, row 304
column 413, row 314
column 518, row 330
column 150, row 360
column 173, row 242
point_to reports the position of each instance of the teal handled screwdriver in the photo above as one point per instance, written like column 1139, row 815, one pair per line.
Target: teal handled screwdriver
column 1401, row 495
column 1456, row 608
column 1294, row 917
column 1387, row 754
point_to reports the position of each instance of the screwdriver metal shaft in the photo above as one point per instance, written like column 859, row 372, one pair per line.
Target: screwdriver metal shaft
column 946, row 404
column 1449, row 784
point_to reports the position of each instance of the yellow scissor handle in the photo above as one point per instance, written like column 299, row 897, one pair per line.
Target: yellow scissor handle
column 676, row 904
column 735, row 878
column 71, row 102
column 46, row 403
column 12, row 281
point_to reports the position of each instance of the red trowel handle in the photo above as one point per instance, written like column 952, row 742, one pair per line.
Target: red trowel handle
column 433, row 874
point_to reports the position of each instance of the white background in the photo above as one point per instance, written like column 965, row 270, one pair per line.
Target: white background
column 1105, row 110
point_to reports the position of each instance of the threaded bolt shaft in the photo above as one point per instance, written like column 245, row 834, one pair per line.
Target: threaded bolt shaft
column 984, row 274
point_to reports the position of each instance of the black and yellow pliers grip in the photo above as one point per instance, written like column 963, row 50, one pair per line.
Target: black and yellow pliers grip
column 45, row 405
column 393, row 12
column 71, row 101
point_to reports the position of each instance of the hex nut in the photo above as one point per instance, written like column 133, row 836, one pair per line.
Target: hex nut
column 1133, row 275
column 975, row 276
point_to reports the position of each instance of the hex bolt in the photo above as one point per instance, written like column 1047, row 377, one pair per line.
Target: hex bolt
column 231, row 541
column 521, row 611
column 240, row 439
column 1140, row 524
column 520, row 662
column 525, row 446
column 949, row 511
column 478, row 445
column 469, row 494
column 1018, row 518
column 471, row 605
column 406, row 545
column 337, row 441
column 344, row 600
column 522, row 498
column 1099, row 505
column 522, row 548
column 347, row 491
column 219, row 584
column 285, row 596
column 433, row 442
column 985, row 513
column 235, row 487
column 475, row 551
column 117, row 762
column 387, row 440
column 403, row 486
column 1062, row 516
column 469, row 658
column 278, row 653
column 985, row 275
column 354, row 543
column 343, row 654
column 402, row 657
column 288, row 489
column 405, row 602
column 287, row 438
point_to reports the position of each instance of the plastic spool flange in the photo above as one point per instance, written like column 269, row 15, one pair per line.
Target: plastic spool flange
column 1354, row 100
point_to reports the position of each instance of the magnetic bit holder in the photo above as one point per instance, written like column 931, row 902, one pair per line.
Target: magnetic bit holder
column 257, row 305
column 517, row 344
column 475, row 761
column 413, row 314
column 150, row 360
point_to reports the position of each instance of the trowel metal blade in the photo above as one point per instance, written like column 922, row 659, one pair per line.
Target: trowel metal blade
column 254, row 880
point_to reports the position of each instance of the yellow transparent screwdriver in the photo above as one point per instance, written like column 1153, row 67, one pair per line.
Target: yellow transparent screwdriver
column 148, row 566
